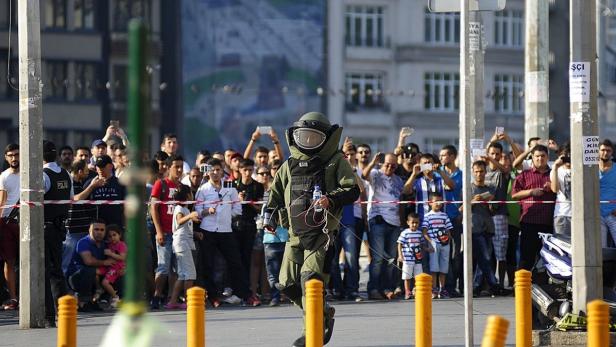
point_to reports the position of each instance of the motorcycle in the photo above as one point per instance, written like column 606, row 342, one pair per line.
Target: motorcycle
column 552, row 287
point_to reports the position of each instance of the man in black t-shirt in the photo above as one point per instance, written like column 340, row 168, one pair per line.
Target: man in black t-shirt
column 106, row 186
column 244, row 225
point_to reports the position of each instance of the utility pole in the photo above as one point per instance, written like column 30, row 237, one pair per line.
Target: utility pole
column 536, row 65
column 467, row 111
column 31, row 244
column 602, row 71
column 586, row 239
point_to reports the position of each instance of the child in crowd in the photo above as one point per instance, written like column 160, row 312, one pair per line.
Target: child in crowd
column 116, row 249
column 410, row 252
column 437, row 228
column 183, row 245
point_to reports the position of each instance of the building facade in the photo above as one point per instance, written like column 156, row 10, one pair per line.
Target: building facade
column 398, row 65
column 84, row 67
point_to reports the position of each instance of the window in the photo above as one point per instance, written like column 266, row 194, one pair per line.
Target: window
column 54, row 79
column 55, row 14
column 509, row 28
column 364, row 90
column 364, row 26
column 84, row 14
column 441, row 91
column 4, row 14
column 85, row 81
column 441, row 27
column 120, row 83
column 507, row 93
column 124, row 10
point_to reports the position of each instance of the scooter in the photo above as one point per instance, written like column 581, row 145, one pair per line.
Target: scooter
column 552, row 285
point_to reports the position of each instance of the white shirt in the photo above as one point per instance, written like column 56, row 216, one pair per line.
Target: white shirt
column 9, row 182
column 47, row 182
column 221, row 220
column 564, row 193
column 182, row 234
column 385, row 188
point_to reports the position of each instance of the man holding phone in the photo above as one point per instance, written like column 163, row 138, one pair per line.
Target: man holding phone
column 256, row 135
column 384, row 222
column 425, row 180
column 560, row 178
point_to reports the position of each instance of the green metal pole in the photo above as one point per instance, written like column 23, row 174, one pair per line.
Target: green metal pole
column 138, row 96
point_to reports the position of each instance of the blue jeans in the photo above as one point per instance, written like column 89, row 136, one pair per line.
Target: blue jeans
column 69, row 245
column 384, row 274
column 482, row 252
column 165, row 255
column 351, row 237
column 273, row 259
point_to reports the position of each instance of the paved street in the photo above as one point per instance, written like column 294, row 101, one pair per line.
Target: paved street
column 389, row 324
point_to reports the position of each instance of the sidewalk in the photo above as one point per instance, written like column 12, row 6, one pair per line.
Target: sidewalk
column 369, row 323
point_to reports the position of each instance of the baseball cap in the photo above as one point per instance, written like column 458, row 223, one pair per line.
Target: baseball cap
column 236, row 155
column 98, row 142
column 48, row 146
column 103, row 160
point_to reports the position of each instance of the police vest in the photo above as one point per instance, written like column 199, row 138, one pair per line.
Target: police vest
column 59, row 189
column 305, row 175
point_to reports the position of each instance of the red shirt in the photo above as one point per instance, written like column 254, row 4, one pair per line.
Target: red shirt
column 535, row 213
column 165, row 211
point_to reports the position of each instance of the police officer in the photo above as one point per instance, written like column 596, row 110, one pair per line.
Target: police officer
column 315, row 163
column 58, row 186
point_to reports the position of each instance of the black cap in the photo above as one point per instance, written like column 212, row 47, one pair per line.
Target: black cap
column 48, row 147
column 103, row 160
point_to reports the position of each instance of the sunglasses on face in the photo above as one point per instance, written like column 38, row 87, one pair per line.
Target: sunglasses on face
column 263, row 173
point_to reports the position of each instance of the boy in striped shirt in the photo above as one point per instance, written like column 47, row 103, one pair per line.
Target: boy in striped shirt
column 437, row 228
column 410, row 252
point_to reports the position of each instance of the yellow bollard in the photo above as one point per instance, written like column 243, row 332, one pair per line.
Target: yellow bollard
column 314, row 313
column 598, row 324
column 195, row 317
column 495, row 334
column 67, row 321
column 423, row 310
column 523, row 307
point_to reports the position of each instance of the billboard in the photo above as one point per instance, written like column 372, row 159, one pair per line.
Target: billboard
column 249, row 63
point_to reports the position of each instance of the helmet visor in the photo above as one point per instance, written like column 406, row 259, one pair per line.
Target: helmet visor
column 307, row 138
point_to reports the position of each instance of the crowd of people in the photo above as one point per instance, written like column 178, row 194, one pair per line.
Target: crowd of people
column 219, row 242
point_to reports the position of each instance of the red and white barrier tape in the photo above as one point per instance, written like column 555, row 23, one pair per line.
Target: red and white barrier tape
column 219, row 202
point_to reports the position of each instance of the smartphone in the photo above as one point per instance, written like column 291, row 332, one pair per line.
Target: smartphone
column 407, row 131
column 426, row 167
column 380, row 157
column 500, row 130
column 264, row 130
column 115, row 123
column 204, row 168
column 566, row 160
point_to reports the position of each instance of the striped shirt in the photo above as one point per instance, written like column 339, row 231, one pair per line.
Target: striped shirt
column 438, row 226
column 423, row 187
column 411, row 241
column 535, row 213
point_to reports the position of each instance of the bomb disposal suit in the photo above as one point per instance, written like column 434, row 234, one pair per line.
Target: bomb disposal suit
column 315, row 161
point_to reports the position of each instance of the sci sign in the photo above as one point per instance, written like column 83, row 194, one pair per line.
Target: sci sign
column 590, row 150
column 475, row 5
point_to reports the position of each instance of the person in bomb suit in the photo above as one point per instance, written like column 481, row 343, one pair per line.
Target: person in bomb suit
column 315, row 161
